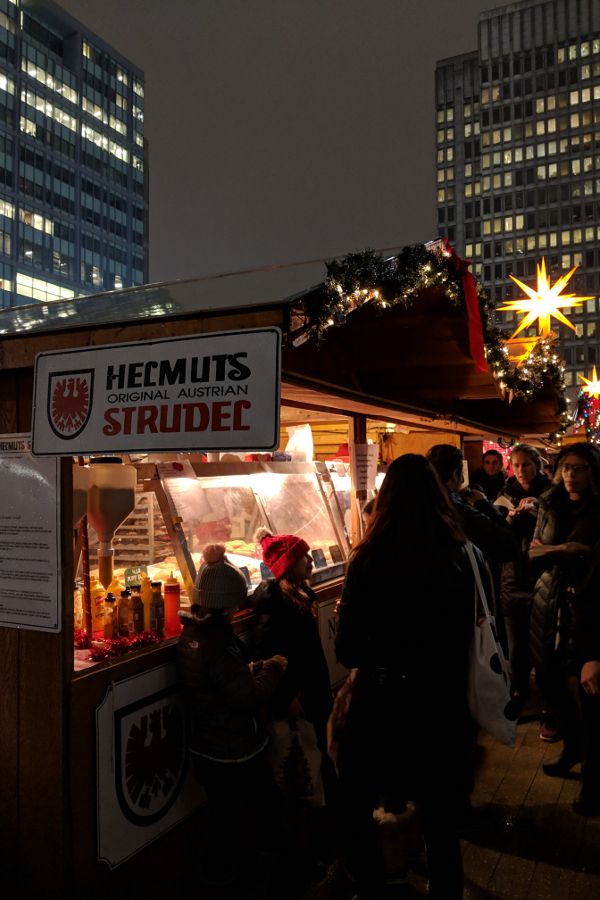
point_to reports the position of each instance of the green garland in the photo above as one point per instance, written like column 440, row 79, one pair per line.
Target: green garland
column 368, row 277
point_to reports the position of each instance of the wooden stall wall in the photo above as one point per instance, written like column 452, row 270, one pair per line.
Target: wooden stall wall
column 34, row 672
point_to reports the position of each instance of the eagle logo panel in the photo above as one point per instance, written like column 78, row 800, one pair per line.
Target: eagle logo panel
column 70, row 397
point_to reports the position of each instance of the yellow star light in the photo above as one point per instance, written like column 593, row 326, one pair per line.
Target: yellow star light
column 544, row 303
column 593, row 385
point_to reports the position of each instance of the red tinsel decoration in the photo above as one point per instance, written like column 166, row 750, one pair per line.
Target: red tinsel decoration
column 111, row 648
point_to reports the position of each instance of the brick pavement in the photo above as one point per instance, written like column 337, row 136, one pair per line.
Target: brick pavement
column 526, row 842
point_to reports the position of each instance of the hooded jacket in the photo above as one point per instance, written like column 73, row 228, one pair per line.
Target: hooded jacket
column 223, row 697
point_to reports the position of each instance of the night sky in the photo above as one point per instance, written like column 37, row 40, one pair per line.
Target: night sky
column 285, row 130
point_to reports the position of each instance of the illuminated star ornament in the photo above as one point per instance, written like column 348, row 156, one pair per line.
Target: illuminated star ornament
column 592, row 388
column 588, row 407
column 545, row 303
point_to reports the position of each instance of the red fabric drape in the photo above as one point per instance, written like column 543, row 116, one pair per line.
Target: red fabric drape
column 476, row 347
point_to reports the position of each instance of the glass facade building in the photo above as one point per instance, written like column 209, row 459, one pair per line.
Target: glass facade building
column 518, row 158
column 73, row 195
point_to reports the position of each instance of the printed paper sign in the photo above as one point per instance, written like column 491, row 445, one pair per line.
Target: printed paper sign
column 29, row 537
column 364, row 466
column 209, row 392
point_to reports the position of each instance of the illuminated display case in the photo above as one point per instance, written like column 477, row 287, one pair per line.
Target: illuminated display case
column 226, row 502
column 179, row 507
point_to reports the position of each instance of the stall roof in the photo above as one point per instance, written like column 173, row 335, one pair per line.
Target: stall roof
column 409, row 364
column 276, row 285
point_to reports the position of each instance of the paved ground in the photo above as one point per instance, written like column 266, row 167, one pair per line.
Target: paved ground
column 526, row 843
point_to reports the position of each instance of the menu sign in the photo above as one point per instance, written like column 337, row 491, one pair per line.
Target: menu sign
column 29, row 537
column 207, row 392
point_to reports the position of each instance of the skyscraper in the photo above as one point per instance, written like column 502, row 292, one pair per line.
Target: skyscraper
column 518, row 165
column 73, row 200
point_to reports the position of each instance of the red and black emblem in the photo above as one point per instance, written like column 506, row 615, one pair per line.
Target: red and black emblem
column 70, row 402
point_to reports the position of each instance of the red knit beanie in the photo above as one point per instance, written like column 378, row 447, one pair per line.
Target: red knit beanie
column 280, row 551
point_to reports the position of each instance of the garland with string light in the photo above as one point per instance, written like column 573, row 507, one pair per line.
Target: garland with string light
column 368, row 277
column 587, row 413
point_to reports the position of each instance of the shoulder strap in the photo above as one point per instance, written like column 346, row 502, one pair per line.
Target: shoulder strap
column 480, row 592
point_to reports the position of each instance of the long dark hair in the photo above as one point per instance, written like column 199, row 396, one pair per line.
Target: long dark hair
column 415, row 517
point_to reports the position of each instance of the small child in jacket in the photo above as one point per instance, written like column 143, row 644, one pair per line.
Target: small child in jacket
column 227, row 738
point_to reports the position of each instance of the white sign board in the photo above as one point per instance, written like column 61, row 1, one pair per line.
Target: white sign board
column 328, row 624
column 363, row 460
column 29, row 537
column 207, row 392
column 145, row 784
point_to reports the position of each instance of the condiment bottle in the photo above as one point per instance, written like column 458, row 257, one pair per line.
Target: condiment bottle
column 137, row 609
column 124, row 614
column 172, row 593
column 116, row 586
column 97, row 595
column 146, row 592
column 111, row 624
column 78, row 605
column 157, row 610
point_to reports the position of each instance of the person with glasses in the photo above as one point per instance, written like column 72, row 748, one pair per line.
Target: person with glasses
column 567, row 529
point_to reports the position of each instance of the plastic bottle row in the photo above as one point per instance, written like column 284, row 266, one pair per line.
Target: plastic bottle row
column 121, row 612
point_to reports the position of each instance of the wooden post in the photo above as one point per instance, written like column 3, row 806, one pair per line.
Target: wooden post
column 357, row 434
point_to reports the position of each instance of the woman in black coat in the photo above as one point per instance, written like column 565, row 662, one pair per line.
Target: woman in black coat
column 406, row 623
column 567, row 528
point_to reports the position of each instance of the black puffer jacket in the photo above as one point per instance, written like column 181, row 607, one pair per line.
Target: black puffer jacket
column 287, row 627
column 560, row 573
column 518, row 577
column 585, row 638
column 223, row 697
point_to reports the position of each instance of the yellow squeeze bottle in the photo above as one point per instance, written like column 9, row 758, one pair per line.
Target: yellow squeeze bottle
column 115, row 587
column 97, row 595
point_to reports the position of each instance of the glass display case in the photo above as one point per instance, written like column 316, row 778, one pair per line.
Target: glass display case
column 177, row 508
column 227, row 502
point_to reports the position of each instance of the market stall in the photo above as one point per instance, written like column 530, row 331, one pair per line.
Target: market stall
column 92, row 757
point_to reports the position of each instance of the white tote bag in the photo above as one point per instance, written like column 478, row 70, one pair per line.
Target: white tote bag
column 488, row 691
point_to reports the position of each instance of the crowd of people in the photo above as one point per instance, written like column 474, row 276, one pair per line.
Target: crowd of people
column 405, row 629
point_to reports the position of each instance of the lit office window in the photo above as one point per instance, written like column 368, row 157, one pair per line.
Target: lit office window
column 45, row 291
column 138, row 88
column 40, row 223
column 45, row 78
column 94, row 110
column 6, row 84
column 27, row 126
column 119, row 126
column 7, row 209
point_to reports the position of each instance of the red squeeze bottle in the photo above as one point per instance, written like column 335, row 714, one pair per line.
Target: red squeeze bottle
column 172, row 593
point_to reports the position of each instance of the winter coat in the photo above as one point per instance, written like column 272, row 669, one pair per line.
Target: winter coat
column 408, row 631
column 560, row 574
column 491, row 485
column 518, row 577
column 585, row 637
column 487, row 528
column 286, row 626
column 223, row 697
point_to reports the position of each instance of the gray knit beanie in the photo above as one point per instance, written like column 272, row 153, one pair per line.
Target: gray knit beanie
column 219, row 584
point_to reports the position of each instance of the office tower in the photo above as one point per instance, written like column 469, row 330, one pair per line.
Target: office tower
column 73, row 203
column 518, row 169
